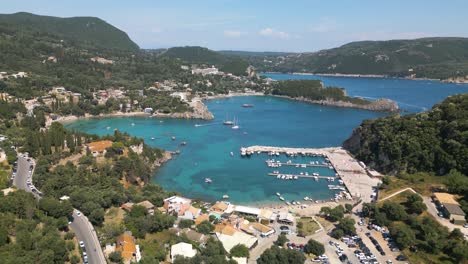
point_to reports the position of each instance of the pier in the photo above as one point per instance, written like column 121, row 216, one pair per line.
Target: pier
column 301, row 165
column 303, row 176
column 353, row 175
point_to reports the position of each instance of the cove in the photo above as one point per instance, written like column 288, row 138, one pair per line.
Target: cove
column 272, row 121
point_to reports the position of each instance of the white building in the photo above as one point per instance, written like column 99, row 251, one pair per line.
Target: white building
column 207, row 71
column 182, row 249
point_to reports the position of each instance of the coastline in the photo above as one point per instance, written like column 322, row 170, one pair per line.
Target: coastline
column 380, row 105
column 346, row 75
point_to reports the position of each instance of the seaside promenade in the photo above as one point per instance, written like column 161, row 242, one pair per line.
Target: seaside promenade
column 353, row 175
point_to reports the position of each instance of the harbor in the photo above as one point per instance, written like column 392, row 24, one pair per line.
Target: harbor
column 350, row 173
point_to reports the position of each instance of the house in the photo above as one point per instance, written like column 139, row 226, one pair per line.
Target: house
column 148, row 110
column 182, row 249
column 248, row 211
column 127, row 206
column 229, row 237
column 129, row 250
column 285, row 218
column 266, row 216
column 206, row 71
column 219, row 207
column 101, row 60
column 262, row 230
column 190, row 213
column 8, row 191
column 148, row 205
column 201, row 218
column 176, row 204
column 450, row 207
column 99, row 147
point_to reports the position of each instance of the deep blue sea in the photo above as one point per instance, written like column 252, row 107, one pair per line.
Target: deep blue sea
column 273, row 121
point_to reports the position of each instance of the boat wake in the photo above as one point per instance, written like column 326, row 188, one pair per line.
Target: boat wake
column 202, row 125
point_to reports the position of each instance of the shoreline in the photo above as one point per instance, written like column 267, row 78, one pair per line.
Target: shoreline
column 345, row 75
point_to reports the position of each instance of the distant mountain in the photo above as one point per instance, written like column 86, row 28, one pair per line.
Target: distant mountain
column 88, row 31
column 439, row 58
column 199, row 55
column 254, row 53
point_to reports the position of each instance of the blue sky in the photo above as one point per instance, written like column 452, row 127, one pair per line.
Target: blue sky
column 257, row 25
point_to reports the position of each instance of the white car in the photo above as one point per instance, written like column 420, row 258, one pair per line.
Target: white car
column 78, row 213
column 82, row 245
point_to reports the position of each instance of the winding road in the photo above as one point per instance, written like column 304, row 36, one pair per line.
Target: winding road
column 83, row 229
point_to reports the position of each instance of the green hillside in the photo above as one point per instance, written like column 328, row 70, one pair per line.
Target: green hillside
column 438, row 58
column 435, row 141
column 86, row 31
column 200, row 55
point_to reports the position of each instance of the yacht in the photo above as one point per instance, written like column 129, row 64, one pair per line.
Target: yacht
column 152, row 138
column 227, row 122
column 235, row 125
column 278, row 194
column 281, row 198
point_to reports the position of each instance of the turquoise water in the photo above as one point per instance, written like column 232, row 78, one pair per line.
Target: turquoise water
column 273, row 121
column 411, row 95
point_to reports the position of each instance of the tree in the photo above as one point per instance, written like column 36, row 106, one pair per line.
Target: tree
column 456, row 234
column 415, row 204
column 394, row 211
column 347, row 225
column 348, row 208
column 314, row 247
column 282, row 239
column 205, row 227
column 403, row 235
column 185, row 223
column 115, row 256
column 239, row 251
column 276, row 255
column 74, row 259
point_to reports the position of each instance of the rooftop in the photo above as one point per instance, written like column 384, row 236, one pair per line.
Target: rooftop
column 182, row 249
column 126, row 245
column 445, row 198
column 453, row 209
column 99, row 145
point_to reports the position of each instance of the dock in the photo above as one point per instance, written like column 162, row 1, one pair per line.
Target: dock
column 302, row 176
column 349, row 170
column 299, row 165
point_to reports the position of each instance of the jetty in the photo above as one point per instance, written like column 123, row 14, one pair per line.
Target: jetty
column 349, row 170
column 299, row 165
column 301, row 176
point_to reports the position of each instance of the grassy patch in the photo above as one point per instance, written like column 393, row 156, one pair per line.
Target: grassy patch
column 425, row 258
column 420, row 182
column 308, row 226
column 114, row 215
column 153, row 245
column 4, row 176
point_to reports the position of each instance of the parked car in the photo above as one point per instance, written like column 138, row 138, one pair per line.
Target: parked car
column 82, row 245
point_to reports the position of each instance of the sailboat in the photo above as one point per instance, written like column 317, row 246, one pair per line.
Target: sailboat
column 227, row 122
column 235, row 125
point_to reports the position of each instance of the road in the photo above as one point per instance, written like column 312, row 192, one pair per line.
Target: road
column 81, row 226
column 85, row 232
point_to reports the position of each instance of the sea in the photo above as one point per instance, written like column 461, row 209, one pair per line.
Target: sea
column 212, row 149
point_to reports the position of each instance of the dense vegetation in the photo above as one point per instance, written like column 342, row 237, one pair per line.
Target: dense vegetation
column 435, row 141
column 31, row 232
column 85, row 31
column 427, row 57
column 312, row 90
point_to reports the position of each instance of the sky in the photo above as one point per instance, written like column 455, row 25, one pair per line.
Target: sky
column 258, row 25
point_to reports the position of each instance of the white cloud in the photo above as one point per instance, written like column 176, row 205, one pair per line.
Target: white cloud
column 233, row 33
column 271, row 32
column 325, row 25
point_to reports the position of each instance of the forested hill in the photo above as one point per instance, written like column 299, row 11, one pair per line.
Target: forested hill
column 199, row 55
column 435, row 141
column 438, row 58
column 86, row 31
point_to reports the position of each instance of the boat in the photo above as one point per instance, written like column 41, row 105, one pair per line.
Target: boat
column 173, row 138
column 235, row 125
column 288, row 203
column 133, row 124
column 281, row 198
column 152, row 138
column 227, row 122
column 225, row 196
column 208, row 180
column 278, row 177
column 295, row 177
column 248, row 105
column 197, row 125
column 183, row 143
column 232, row 154
column 306, row 198
column 278, row 194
